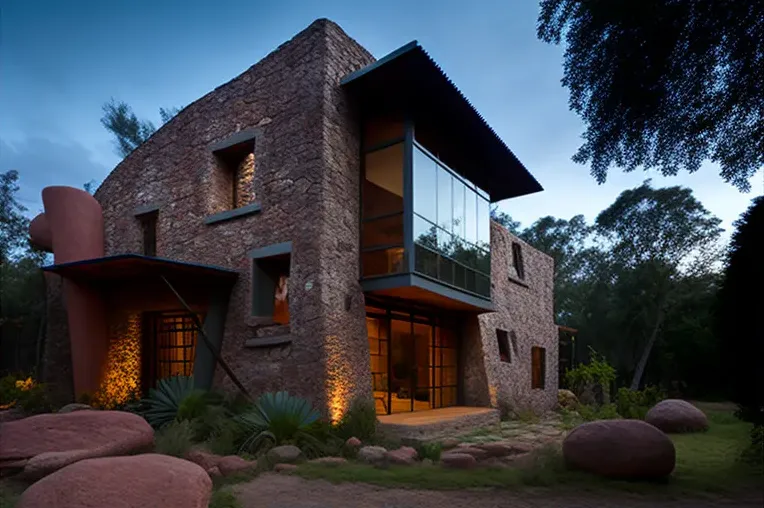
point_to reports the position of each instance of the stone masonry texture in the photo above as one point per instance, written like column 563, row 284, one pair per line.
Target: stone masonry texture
column 305, row 176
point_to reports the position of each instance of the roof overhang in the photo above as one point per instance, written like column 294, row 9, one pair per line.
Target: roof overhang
column 408, row 80
column 135, row 267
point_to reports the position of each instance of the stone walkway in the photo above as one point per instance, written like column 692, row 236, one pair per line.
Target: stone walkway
column 280, row 491
column 537, row 434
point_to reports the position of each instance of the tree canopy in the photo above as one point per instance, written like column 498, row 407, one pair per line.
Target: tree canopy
column 130, row 132
column 664, row 84
column 13, row 223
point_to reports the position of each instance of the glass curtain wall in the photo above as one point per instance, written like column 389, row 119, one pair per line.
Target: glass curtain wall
column 452, row 230
column 448, row 215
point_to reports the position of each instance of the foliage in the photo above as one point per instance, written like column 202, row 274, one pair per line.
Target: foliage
column 634, row 404
column 175, row 438
column 738, row 319
column 13, row 223
column 591, row 412
column 360, row 421
column 223, row 498
column 754, row 452
column 430, row 451
column 24, row 393
column 505, row 220
column 597, row 372
column 664, row 85
column 276, row 419
column 163, row 402
column 130, row 132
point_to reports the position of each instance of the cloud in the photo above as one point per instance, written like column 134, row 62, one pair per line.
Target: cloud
column 42, row 162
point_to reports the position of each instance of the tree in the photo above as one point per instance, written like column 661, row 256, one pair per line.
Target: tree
column 13, row 223
column 565, row 241
column 741, row 301
column 655, row 236
column 505, row 220
column 664, row 84
column 130, row 132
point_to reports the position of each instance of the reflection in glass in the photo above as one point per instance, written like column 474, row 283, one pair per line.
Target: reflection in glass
column 383, row 183
column 426, row 261
column 484, row 223
column 381, row 262
column 445, row 242
column 458, row 222
column 384, row 231
column 425, row 233
column 445, row 207
column 425, row 186
column 470, row 214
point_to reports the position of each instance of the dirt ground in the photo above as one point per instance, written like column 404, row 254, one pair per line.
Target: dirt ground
column 283, row 491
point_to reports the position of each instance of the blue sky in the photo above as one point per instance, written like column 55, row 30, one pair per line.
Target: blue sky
column 60, row 61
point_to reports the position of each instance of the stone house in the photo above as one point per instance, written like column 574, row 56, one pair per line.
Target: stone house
column 326, row 216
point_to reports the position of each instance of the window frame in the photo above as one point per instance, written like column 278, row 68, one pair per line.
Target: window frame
column 505, row 350
column 517, row 260
column 265, row 280
column 538, row 368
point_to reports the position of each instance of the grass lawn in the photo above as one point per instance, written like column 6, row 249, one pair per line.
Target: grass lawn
column 707, row 463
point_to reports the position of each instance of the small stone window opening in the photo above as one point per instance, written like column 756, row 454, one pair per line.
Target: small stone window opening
column 149, row 230
column 538, row 368
column 270, row 286
column 236, row 165
column 517, row 260
column 505, row 354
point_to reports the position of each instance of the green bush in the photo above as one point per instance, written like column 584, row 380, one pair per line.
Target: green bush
column 161, row 406
column 360, row 420
column 754, row 453
column 430, row 451
column 597, row 372
column 593, row 412
column 276, row 419
column 224, row 498
column 24, row 393
column 634, row 404
column 175, row 438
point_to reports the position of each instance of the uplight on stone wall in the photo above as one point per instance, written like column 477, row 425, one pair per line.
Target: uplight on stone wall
column 337, row 385
column 122, row 381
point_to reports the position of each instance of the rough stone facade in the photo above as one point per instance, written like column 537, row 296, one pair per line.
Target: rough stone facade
column 524, row 307
column 305, row 176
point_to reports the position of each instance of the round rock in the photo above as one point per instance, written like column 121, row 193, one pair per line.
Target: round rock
column 285, row 454
column 139, row 481
column 629, row 449
column 674, row 415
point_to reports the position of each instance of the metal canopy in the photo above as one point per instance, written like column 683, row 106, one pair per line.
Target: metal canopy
column 409, row 81
column 136, row 267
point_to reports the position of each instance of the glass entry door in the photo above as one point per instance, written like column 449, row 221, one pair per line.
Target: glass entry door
column 413, row 361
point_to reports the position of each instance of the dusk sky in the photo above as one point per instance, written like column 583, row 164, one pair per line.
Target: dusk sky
column 60, row 61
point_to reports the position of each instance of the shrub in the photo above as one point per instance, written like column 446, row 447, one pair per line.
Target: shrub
column 360, row 420
column 597, row 374
column 278, row 418
column 634, row 404
column 430, row 451
column 591, row 412
column 754, row 452
column 163, row 403
column 24, row 393
column 175, row 438
column 223, row 498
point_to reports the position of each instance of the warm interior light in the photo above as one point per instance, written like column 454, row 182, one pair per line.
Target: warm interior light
column 337, row 372
column 122, row 381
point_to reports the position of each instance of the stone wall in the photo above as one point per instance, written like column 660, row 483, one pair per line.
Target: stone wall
column 524, row 307
column 306, row 172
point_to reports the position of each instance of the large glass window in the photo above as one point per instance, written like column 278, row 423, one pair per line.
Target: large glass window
column 452, row 230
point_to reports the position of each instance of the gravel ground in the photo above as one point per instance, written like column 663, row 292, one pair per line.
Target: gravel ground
column 283, row 491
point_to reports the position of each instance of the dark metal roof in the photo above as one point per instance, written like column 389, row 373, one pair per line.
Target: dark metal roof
column 408, row 80
column 136, row 267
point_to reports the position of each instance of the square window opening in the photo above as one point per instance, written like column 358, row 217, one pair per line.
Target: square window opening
column 505, row 354
column 270, row 287
column 236, row 172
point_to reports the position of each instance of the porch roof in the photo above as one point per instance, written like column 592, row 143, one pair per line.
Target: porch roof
column 409, row 79
column 136, row 267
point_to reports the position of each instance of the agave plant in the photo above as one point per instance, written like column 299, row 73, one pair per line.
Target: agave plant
column 162, row 404
column 278, row 418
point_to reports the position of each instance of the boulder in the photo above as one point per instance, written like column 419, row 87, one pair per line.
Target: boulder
column 204, row 459
column 567, row 399
column 450, row 442
column 214, row 472
column 232, row 464
column 468, row 449
column 285, row 454
column 11, row 415
column 353, row 443
column 372, row 454
column 74, row 406
column 458, row 460
column 504, row 448
column 674, row 415
column 139, row 481
column 403, row 456
column 52, row 441
column 628, row 449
